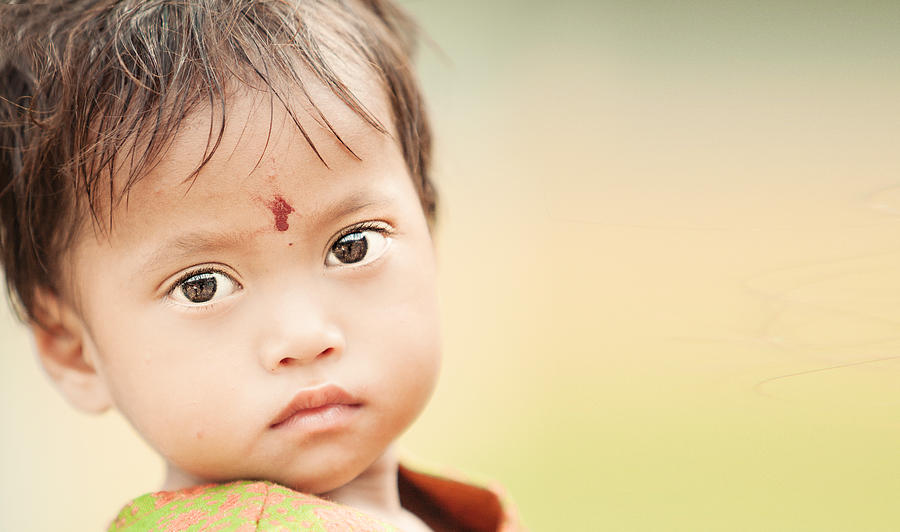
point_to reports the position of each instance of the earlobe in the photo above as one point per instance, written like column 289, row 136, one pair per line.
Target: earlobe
column 63, row 349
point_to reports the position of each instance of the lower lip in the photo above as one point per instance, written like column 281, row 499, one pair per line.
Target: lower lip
column 321, row 419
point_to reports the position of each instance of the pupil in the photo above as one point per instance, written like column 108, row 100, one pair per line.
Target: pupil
column 199, row 290
column 352, row 248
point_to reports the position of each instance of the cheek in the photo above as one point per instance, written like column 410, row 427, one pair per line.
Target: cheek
column 404, row 318
column 160, row 388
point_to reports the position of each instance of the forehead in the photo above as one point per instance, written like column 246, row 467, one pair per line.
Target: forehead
column 305, row 132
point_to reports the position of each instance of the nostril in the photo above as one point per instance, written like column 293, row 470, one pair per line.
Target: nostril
column 325, row 353
column 286, row 361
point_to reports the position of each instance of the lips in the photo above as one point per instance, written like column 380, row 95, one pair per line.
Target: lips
column 315, row 401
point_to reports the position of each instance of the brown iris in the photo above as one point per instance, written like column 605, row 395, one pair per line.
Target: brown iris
column 352, row 248
column 199, row 289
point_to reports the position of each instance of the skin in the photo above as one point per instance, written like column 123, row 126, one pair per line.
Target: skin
column 203, row 382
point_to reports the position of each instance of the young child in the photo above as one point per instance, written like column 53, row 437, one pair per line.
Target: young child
column 216, row 218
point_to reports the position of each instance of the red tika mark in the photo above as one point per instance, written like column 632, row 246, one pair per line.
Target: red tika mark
column 280, row 208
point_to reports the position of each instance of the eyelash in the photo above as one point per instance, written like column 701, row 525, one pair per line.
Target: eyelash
column 378, row 227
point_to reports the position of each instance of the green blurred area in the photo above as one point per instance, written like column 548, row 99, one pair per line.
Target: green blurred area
column 618, row 178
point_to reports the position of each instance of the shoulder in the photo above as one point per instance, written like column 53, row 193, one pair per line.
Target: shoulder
column 239, row 506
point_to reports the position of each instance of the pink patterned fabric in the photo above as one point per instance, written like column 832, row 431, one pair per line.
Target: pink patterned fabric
column 256, row 505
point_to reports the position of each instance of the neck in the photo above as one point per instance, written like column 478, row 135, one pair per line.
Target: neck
column 176, row 479
column 374, row 490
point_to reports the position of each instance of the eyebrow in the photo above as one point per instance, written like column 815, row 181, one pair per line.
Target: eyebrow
column 359, row 200
column 208, row 240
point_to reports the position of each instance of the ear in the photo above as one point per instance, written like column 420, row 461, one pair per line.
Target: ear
column 61, row 338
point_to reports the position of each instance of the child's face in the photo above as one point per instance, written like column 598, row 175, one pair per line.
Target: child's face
column 212, row 305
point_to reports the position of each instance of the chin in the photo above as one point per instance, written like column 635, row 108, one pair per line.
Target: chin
column 328, row 475
column 321, row 484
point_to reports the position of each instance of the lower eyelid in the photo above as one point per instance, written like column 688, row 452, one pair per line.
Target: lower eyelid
column 200, row 308
column 350, row 268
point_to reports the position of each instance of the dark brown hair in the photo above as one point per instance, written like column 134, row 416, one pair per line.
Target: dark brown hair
column 88, row 87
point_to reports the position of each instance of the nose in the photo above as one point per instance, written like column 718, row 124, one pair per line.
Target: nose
column 299, row 331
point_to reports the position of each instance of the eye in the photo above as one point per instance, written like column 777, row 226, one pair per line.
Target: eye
column 204, row 286
column 359, row 245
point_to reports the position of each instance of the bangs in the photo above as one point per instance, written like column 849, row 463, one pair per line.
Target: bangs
column 95, row 88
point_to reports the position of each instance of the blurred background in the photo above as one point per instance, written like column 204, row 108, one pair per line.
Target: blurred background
column 670, row 256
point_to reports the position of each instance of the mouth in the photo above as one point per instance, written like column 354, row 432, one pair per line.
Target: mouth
column 319, row 408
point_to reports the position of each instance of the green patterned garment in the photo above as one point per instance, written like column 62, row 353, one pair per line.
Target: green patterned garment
column 238, row 507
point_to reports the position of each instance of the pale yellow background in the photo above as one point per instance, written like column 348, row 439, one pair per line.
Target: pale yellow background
column 670, row 259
